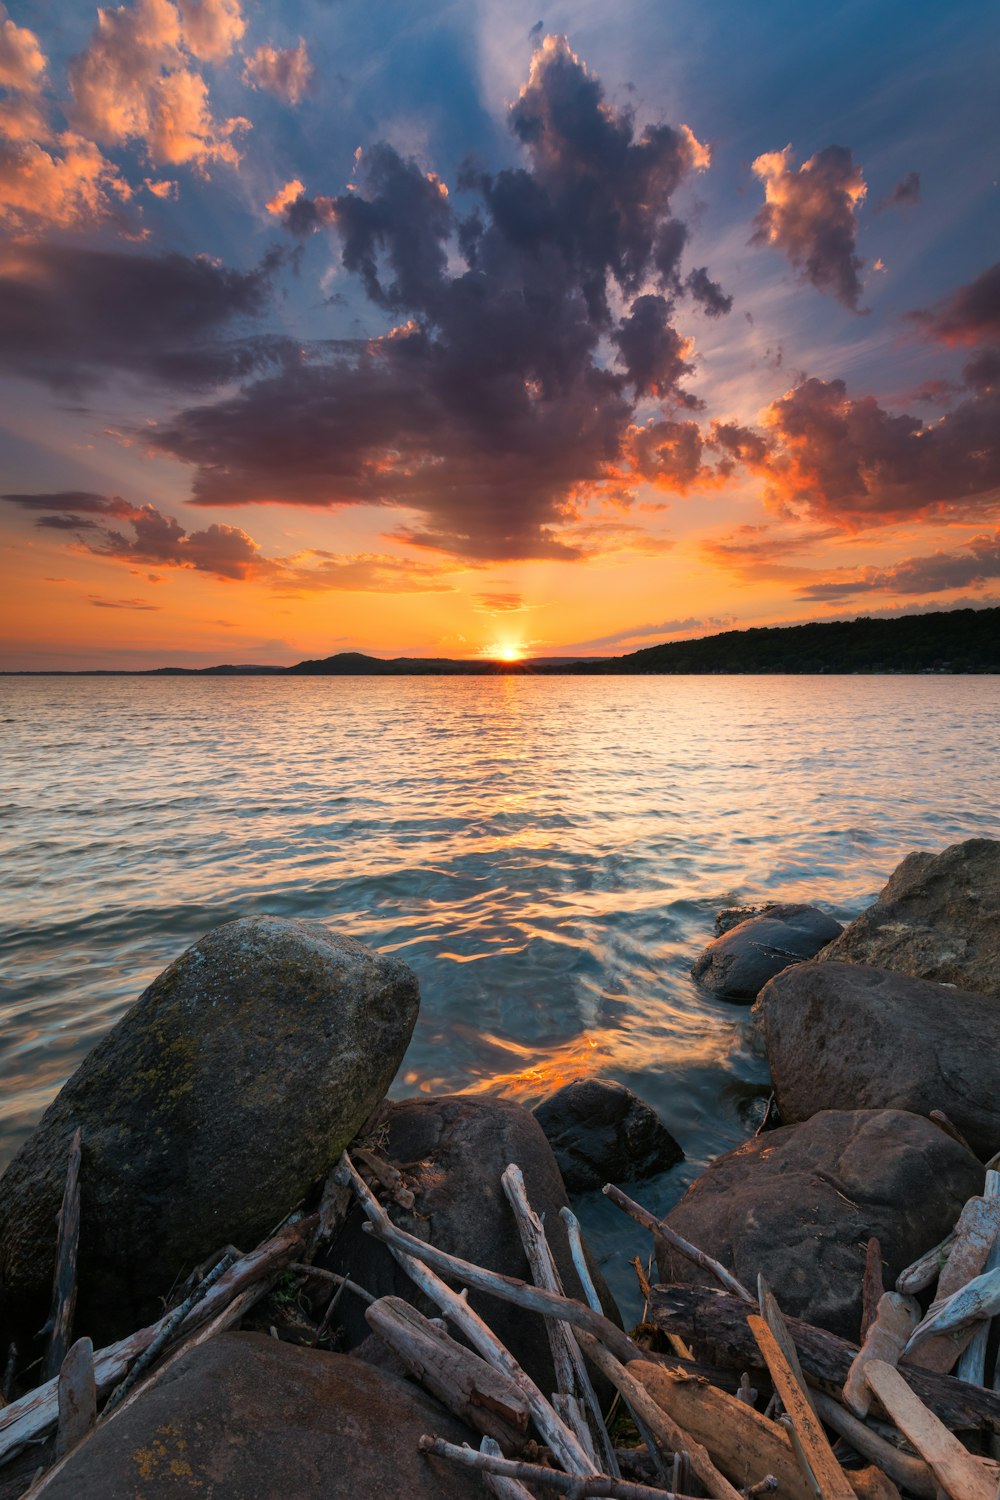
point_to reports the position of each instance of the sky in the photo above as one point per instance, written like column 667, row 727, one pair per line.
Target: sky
column 479, row 328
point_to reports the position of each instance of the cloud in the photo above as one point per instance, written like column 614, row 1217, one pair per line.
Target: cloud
column 810, row 214
column 489, row 410
column 70, row 315
column 63, row 187
column 22, row 61
column 905, row 194
column 141, row 604
column 499, row 603
column 285, row 197
column 134, row 81
column 212, row 28
column 286, row 72
column 636, row 636
column 851, row 461
column 969, row 316
column 974, row 566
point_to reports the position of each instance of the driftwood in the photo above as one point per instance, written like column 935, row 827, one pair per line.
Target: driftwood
column 60, row 1323
column 978, row 1299
column 663, row 1435
column 579, row 1257
column 35, row 1413
column 507, row 1288
column 926, row 1269
column 895, row 1320
column 497, row 1484
column 910, row 1473
column 975, row 1234
column 959, row 1474
column 389, row 1176
column 812, row 1448
column 561, row 1439
column 483, row 1397
column 972, row 1365
column 872, row 1285
column 677, row 1242
column 775, row 1320
column 575, row 1486
column 76, row 1394
column 316, row 1273
column 715, row 1323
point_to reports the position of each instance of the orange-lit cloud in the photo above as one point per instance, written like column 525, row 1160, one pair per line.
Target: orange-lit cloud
column 212, row 28
column 810, row 214
column 975, row 565
column 284, row 197
column 971, row 315
column 22, row 61
column 285, row 72
column 64, row 185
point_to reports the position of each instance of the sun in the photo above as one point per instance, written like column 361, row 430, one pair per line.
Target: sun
column 507, row 652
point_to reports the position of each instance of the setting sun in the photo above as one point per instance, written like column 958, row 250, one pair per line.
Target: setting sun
column 506, row 652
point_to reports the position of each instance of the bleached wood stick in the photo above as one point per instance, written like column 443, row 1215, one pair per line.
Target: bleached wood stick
column 667, row 1435
column 676, row 1241
column 60, row 1323
column 895, row 1320
column 910, row 1473
column 775, row 1320
column 316, row 1273
column 975, row 1232
column 561, row 1439
column 579, row 1258
column 927, row 1268
column 507, row 1288
column 972, row 1365
column 575, row 1486
column 980, row 1298
column 813, row 1449
column 35, row 1413
column 572, row 1377
column 503, row 1488
column 959, row 1474
column 77, row 1397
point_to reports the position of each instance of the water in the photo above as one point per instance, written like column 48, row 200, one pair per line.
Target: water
column 547, row 854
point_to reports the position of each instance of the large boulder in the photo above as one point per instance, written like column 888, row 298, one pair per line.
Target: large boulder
column 452, row 1152
column 739, row 964
column 245, row 1416
column 800, row 1203
column 850, row 1037
column 207, row 1112
column 601, row 1132
column 938, row 918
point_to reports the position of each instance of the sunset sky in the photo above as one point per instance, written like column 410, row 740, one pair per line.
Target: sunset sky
column 446, row 329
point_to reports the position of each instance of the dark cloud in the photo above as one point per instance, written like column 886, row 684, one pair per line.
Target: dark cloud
column 905, row 194
column 969, row 316
column 80, row 502
column 851, row 461
column 708, row 293
column 490, row 410
column 141, row 604
column 810, row 214
column 975, row 565
column 70, row 315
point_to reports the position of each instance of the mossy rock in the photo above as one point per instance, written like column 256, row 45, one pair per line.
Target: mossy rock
column 207, row 1112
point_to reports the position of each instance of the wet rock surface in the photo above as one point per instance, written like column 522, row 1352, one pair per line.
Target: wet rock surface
column 452, row 1152
column 937, row 918
column 800, row 1203
column 601, row 1132
column 842, row 1035
column 738, row 964
column 207, row 1112
column 244, row 1417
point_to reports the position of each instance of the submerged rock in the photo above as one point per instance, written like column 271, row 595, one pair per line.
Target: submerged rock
column 800, row 1203
column 852, row 1037
column 207, row 1112
column 452, row 1152
column 244, row 1415
column 739, row 964
column 938, row 918
column 601, row 1132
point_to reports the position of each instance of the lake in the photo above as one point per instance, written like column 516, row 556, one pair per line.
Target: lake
column 547, row 853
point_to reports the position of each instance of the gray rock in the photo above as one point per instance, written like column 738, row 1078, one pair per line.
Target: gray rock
column 738, row 964
column 800, row 1203
column 601, row 1132
column 851, row 1037
column 207, row 1112
column 938, row 918
column 244, row 1417
column 452, row 1152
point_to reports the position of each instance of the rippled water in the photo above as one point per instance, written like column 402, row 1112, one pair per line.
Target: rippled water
column 547, row 853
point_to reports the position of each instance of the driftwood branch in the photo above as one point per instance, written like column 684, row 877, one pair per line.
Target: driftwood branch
column 911, row 1474
column 60, row 1324
column 925, row 1269
column 575, row 1486
column 579, row 1257
column 872, row 1285
column 972, row 1365
column 77, row 1397
column 959, row 1474
column 886, row 1339
column 975, row 1233
column 677, row 1242
column 810, row 1442
column 316, row 1273
column 503, row 1488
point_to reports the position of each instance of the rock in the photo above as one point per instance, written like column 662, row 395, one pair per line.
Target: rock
column 601, row 1132
column 245, row 1416
column 800, row 1203
column 731, row 916
column 207, row 1112
column 847, row 1036
column 739, row 964
column 452, row 1152
column 938, row 918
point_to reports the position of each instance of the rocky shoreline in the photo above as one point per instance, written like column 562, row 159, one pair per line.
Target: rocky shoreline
column 215, row 1113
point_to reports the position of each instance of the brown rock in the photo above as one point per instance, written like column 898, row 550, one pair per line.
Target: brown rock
column 244, row 1417
column 207, row 1112
column 938, row 918
column 800, row 1204
column 738, row 964
column 845, row 1036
